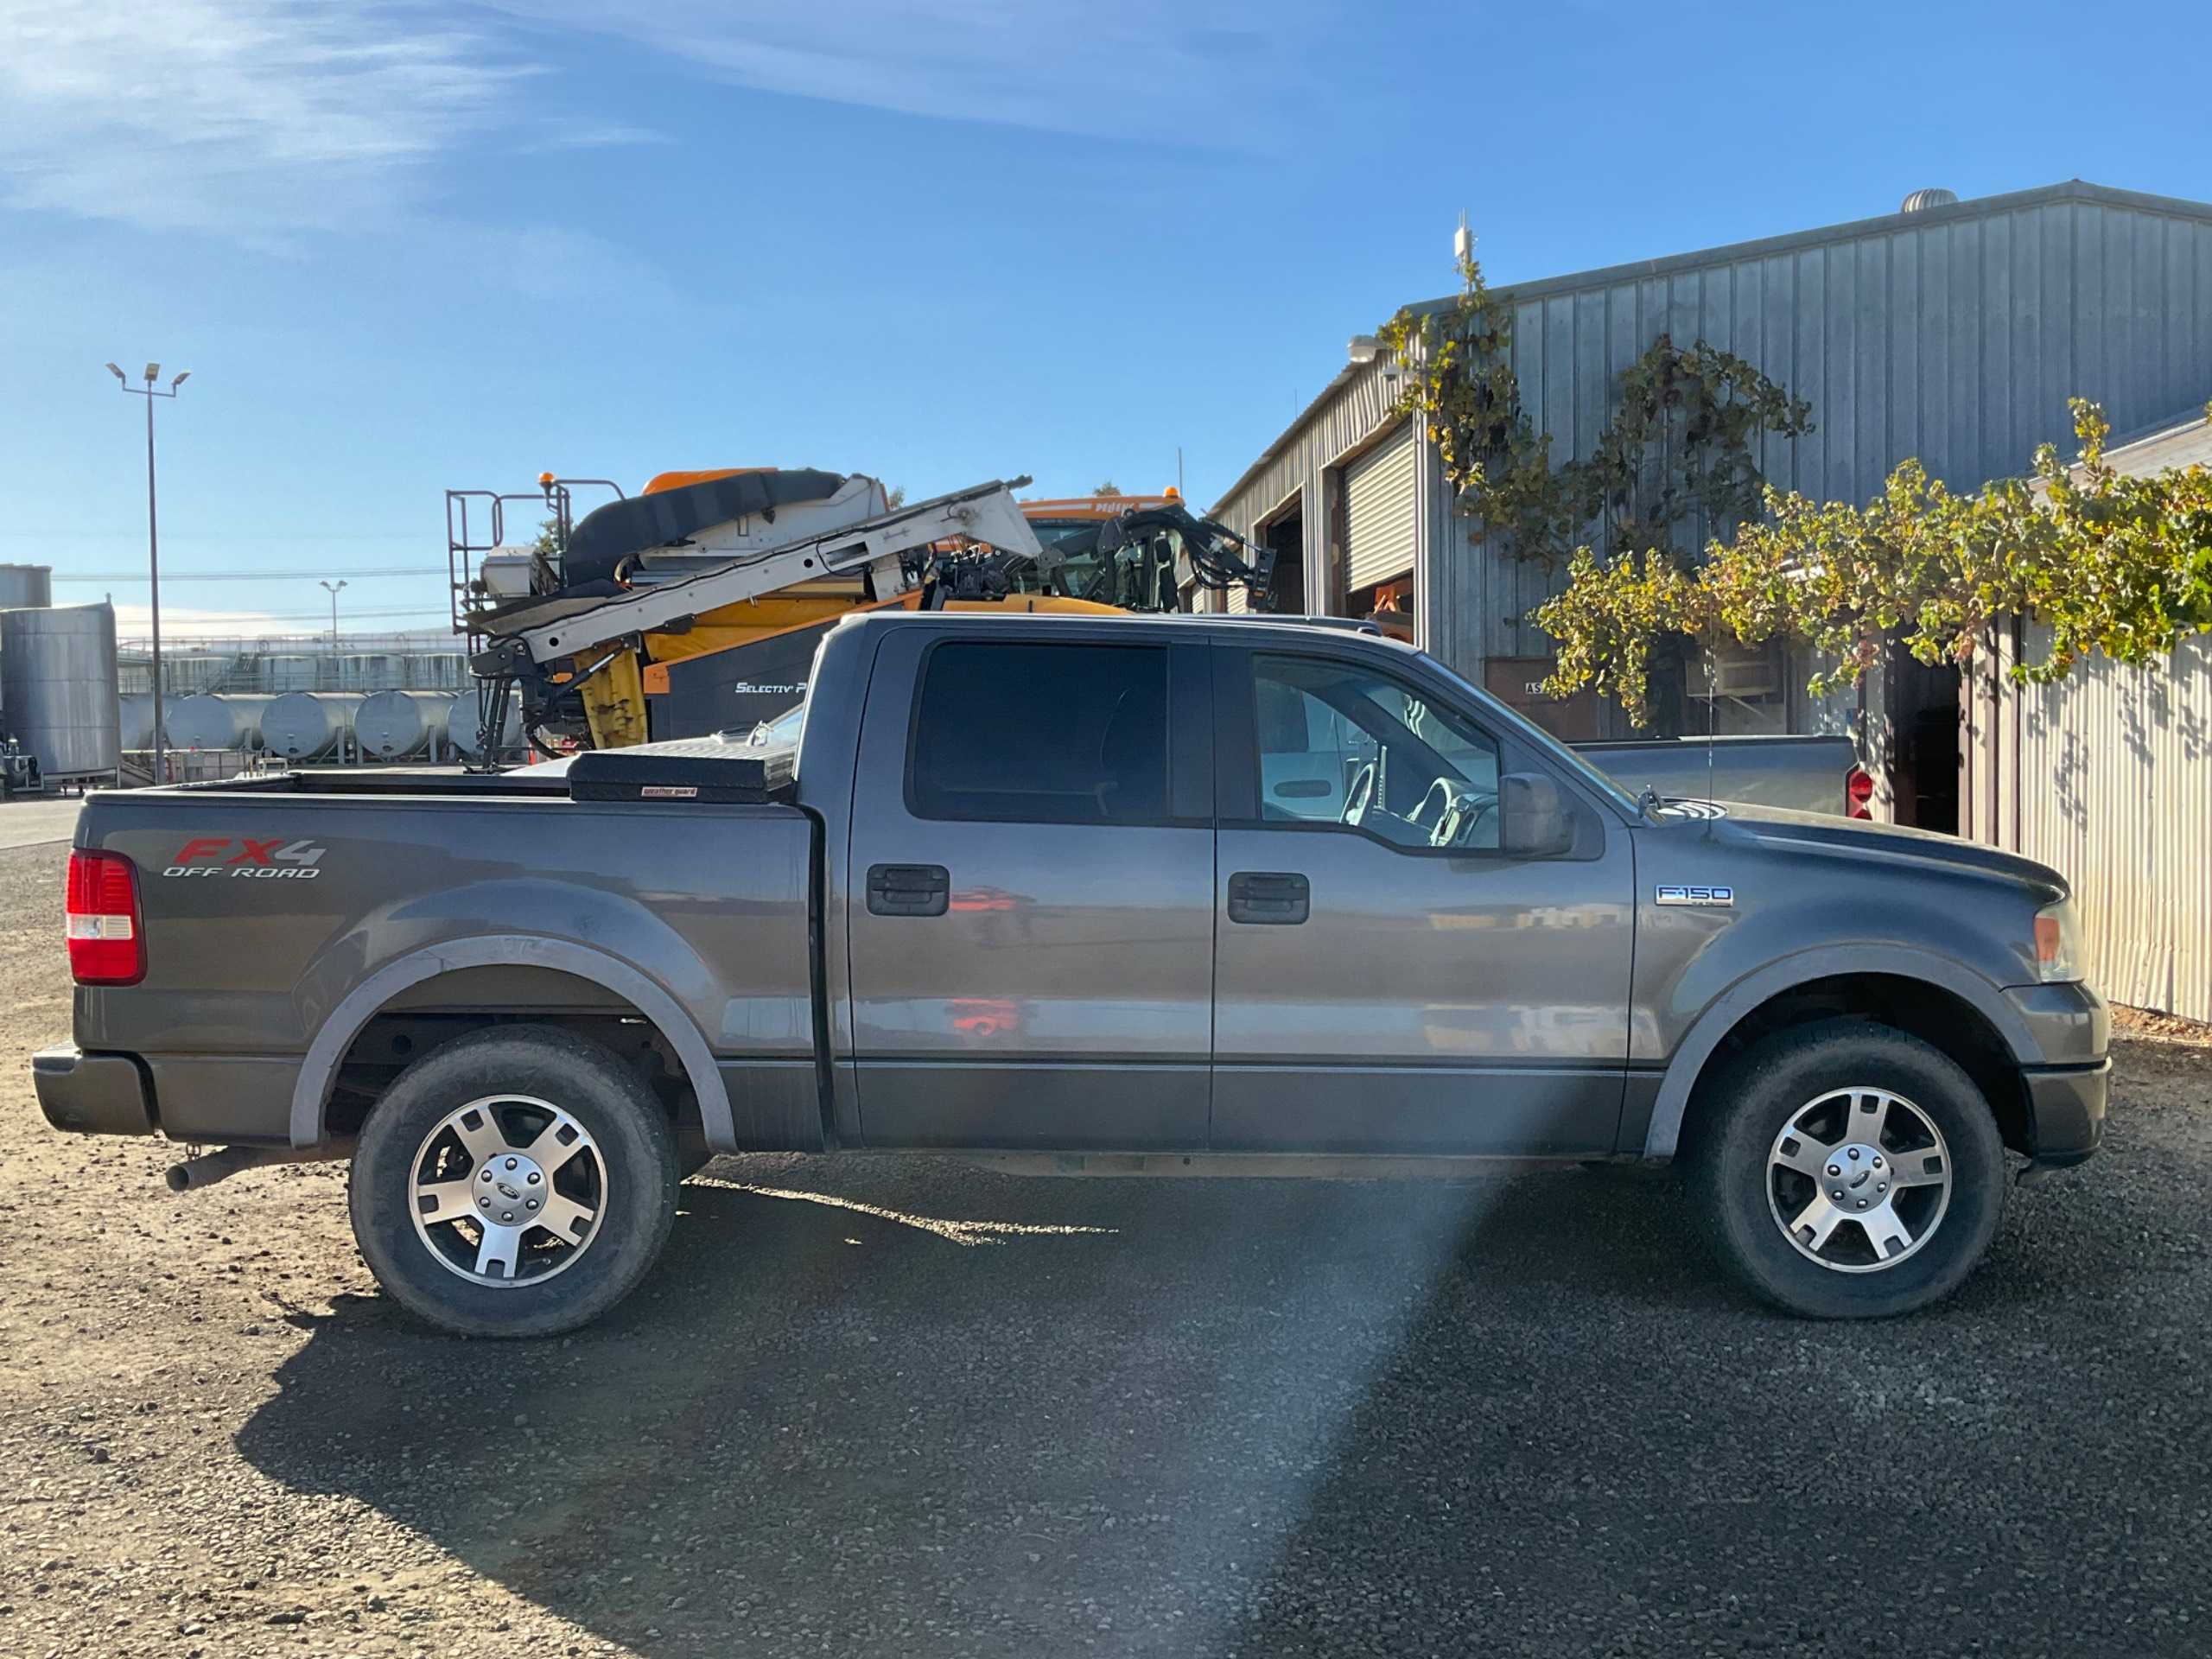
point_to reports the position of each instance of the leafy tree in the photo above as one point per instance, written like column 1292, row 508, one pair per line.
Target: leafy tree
column 1107, row 488
column 2117, row 566
column 895, row 497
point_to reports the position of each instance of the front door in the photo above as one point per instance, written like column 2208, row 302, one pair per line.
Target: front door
column 1032, row 924
column 1387, row 980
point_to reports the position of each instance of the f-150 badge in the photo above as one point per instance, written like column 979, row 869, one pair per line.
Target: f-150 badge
column 1672, row 895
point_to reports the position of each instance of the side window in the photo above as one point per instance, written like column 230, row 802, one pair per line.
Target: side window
column 1041, row 733
column 1341, row 743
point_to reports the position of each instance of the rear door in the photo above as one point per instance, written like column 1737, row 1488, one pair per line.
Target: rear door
column 1388, row 980
column 1031, row 927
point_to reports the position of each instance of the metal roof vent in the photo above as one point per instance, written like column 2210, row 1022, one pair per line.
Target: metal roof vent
column 1921, row 200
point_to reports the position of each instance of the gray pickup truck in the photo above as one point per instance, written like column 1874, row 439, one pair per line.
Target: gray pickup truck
column 1103, row 938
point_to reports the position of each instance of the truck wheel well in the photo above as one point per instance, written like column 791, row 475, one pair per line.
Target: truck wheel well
column 1945, row 1022
column 434, row 1012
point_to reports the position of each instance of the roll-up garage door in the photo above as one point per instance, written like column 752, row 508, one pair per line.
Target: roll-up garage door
column 1379, row 515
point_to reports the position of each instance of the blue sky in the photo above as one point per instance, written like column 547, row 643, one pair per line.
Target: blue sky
column 404, row 247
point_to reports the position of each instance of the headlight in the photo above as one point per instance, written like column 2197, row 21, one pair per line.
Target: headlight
column 2058, row 943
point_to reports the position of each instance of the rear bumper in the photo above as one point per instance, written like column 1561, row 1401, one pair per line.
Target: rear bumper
column 93, row 1094
column 2066, row 1112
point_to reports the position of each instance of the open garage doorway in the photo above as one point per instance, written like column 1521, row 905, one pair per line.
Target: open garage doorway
column 1923, row 711
column 1286, row 539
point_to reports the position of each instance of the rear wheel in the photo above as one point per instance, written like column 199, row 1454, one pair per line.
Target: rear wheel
column 1848, row 1171
column 516, row 1182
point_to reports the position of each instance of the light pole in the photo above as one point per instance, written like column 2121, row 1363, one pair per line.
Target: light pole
column 150, row 391
column 332, row 589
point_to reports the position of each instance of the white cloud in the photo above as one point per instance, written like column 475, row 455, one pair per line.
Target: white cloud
column 1208, row 73
column 264, row 119
column 255, row 117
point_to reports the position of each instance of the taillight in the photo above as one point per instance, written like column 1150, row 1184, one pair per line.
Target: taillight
column 1858, row 791
column 106, row 944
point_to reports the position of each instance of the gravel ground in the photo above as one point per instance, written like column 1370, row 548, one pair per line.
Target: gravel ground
column 860, row 1411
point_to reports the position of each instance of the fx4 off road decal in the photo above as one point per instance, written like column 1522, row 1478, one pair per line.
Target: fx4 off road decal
column 272, row 859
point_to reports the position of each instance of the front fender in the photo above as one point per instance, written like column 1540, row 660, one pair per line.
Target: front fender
column 1723, row 1014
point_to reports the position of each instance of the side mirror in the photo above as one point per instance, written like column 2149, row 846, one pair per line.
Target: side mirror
column 1533, row 818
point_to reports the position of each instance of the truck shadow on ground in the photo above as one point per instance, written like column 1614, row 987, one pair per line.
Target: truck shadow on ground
column 903, row 1406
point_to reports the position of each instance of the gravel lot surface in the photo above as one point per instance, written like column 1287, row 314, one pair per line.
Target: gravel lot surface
column 898, row 1407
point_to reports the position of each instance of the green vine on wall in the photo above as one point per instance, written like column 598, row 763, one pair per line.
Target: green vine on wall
column 2114, row 565
column 1681, row 440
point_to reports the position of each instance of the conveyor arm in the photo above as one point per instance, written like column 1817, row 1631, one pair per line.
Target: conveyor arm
column 984, row 513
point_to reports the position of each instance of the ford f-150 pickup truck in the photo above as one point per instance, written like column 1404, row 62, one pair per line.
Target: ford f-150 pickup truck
column 1118, row 937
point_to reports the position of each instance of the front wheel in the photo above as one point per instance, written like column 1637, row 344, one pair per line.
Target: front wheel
column 1848, row 1171
column 516, row 1182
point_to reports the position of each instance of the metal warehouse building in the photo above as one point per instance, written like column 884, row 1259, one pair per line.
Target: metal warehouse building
column 1952, row 331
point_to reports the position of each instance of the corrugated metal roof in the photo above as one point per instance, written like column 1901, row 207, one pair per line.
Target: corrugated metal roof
column 2072, row 190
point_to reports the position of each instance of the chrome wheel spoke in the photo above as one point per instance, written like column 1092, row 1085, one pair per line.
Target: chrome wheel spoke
column 1801, row 1152
column 1886, row 1232
column 556, row 1143
column 477, row 1130
column 439, row 1201
column 499, row 1253
column 1923, row 1168
column 566, row 1219
column 1815, row 1221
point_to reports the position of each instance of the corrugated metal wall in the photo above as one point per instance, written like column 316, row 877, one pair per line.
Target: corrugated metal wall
column 2106, row 777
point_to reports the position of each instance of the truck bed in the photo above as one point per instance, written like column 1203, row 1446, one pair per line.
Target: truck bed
column 269, row 904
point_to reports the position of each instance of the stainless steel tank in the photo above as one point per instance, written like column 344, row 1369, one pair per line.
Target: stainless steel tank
column 198, row 721
column 246, row 709
column 393, row 725
column 462, row 723
column 228, row 719
column 136, row 710
column 306, row 725
column 25, row 587
column 57, row 689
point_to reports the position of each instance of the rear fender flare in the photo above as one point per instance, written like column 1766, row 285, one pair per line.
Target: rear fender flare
column 1728, row 1010
column 311, row 1093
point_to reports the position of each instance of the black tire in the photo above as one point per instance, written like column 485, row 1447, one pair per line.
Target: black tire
column 1745, row 1110
column 627, row 1126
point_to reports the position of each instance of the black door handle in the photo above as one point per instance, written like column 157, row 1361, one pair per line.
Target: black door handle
column 1269, row 898
column 908, row 889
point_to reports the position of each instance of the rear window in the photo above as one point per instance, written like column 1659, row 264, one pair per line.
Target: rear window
column 1042, row 734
